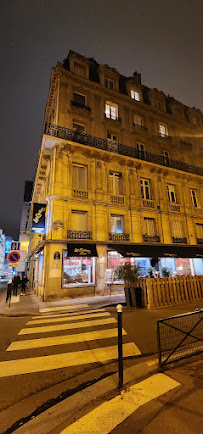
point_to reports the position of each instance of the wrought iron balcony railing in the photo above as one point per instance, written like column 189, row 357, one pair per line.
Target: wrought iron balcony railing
column 199, row 240
column 112, row 117
column 79, row 235
column 140, row 127
column 119, row 237
column 77, row 104
column 182, row 240
column 151, row 238
column 128, row 151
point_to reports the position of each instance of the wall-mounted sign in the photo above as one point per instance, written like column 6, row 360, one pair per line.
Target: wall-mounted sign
column 38, row 220
column 13, row 257
column 83, row 250
column 15, row 245
column 58, row 224
column 57, row 256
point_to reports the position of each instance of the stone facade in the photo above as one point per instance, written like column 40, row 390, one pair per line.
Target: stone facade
column 125, row 159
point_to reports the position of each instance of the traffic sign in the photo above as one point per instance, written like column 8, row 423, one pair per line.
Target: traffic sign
column 15, row 245
column 13, row 257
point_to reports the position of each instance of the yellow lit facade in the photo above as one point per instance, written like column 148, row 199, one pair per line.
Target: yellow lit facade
column 119, row 165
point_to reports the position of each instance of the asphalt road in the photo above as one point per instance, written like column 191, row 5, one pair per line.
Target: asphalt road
column 36, row 356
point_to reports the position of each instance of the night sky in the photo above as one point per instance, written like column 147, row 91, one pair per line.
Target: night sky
column 162, row 40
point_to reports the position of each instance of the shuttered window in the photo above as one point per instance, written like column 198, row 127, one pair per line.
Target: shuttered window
column 80, row 177
column 177, row 229
column 79, row 220
column 149, row 226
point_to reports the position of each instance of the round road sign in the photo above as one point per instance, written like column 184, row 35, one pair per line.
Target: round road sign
column 13, row 257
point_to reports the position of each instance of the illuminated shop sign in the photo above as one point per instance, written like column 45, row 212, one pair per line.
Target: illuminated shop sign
column 38, row 220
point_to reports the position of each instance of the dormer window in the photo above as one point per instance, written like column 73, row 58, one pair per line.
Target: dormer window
column 109, row 83
column 158, row 105
column 135, row 95
column 79, row 69
column 163, row 132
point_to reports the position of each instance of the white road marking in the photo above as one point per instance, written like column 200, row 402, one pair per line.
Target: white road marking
column 103, row 419
column 57, row 315
column 56, row 308
column 68, row 318
column 64, row 360
column 61, row 340
column 75, row 325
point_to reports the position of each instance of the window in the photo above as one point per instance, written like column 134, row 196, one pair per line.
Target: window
column 79, row 98
column 177, row 229
column 149, row 227
column 109, row 83
column 78, row 271
column 81, row 128
column 138, row 120
column 171, row 193
column 194, row 197
column 199, row 230
column 117, row 222
column 163, row 130
column 115, row 183
column 158, row 105
column 135, row 95
column 79, row 220
column 165, row 154
column 80, row 177
column 141, row 147
column 79, row 69
column 145, row 189
column 111, row 110
column 112, row 137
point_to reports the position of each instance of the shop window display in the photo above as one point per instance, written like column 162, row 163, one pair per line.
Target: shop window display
column 77, row 271
column 115, row 260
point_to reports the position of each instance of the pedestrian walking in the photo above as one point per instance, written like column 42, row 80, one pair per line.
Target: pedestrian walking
column 24, row 281
column 16, row 283
column 9, row 291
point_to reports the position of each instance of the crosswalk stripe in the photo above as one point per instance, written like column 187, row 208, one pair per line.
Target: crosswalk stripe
column 104, row 418
column 75, row 325
column 57, row 315
column 63, row 360
column 55, row 308
column 67, row 339
column 68, row 318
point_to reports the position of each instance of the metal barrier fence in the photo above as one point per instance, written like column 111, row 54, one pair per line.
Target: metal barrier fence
column 179, row 337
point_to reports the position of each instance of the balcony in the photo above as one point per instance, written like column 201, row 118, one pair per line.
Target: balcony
column 174, row 207
column 84, row 107
column 164, row 136
column 117, row 199
column 81, row 194
column 147, row 203
column 140, row 127
column 127, row 151
column 112, row 117
column 79, row 235
column 151, row 238
column 199, row 240
column 179, row 240
column 119, row 237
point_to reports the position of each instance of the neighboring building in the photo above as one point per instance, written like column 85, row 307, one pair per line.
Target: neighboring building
column 26, row 207
column 2, row 249
column 121, row 172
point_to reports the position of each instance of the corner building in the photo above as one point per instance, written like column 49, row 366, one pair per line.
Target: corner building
column 120, row 171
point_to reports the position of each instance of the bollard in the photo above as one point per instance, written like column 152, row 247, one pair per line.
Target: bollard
column 120, row 347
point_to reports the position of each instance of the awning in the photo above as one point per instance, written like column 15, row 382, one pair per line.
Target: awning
column 157, row 251
column 37, row 249
column 88, row 250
